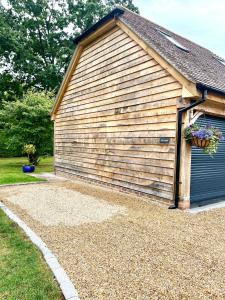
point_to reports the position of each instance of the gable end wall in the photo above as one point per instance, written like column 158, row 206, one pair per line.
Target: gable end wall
column 118, row 104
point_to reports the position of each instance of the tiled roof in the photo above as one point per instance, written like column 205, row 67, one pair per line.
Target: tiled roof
column 199, row 65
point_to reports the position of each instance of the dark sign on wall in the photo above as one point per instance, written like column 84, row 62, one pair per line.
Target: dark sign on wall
column 164, row 140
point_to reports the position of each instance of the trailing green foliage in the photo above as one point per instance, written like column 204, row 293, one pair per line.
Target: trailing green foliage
column 205, row 132
column 28, row 122
column 36, row 40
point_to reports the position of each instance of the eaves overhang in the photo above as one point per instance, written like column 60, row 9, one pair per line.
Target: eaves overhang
column 202, row 87
column 116, row 12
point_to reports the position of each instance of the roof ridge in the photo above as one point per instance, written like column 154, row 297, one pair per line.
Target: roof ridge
column 139, row 15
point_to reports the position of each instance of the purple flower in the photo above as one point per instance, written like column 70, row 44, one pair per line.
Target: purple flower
column 203, row 134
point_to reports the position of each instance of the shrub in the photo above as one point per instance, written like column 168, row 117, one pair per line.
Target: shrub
column 30, row 151
column 27, row 121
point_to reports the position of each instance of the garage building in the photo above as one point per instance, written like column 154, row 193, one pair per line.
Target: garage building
column 130, row 88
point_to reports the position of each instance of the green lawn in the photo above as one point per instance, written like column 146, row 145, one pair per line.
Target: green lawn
column 23, row 273
column 11, row 169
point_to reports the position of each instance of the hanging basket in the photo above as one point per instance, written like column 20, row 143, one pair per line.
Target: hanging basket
column 200, row 143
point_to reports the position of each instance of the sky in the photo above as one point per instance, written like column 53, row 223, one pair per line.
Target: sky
column 202, row 21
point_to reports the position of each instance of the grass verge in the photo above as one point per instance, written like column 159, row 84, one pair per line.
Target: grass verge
column 24, row 274
column 11, row 170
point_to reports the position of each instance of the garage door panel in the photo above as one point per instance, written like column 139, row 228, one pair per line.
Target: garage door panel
column 207, row 173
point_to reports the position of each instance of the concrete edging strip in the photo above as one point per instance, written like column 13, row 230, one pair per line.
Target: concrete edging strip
column 66, row 286
column 208, row 207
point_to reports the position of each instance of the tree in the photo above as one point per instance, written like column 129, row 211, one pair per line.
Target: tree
column 27, row 121
column 36, row 40
column 83, row 14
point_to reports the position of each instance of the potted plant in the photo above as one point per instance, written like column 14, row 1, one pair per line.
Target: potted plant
column 206, row 137
column 30, row 151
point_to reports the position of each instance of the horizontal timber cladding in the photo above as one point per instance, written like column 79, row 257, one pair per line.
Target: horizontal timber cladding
column 117, row 105
column 120, row 105
column 156, row 80
column 129, row 153
column 120, row 116
column 117, row 187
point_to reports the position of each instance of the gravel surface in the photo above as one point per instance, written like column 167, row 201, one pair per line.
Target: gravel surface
column 143, row 251
column 52, row 205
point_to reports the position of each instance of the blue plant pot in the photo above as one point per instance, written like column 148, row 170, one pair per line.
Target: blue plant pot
column 28, row 169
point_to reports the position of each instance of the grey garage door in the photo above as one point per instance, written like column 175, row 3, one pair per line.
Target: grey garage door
column 208, row 174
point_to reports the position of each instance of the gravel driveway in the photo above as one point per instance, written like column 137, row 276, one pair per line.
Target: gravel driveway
column 118, row 247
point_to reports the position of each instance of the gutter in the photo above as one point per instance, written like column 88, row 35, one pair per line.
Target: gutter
column 201, row 87
column 179, row 140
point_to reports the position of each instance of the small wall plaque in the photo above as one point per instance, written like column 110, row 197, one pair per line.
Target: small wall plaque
column 164, row 140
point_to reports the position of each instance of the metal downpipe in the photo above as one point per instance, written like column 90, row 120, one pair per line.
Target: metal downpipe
column 179, row 140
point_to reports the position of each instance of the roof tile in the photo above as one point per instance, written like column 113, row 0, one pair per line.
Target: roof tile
column 199, row 65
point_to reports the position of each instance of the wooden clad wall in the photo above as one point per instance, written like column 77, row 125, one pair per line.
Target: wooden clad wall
column 117, row 105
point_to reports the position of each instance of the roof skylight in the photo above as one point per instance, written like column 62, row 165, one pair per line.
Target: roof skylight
column 173, row 41
column 220, row 60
